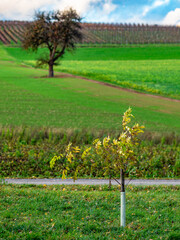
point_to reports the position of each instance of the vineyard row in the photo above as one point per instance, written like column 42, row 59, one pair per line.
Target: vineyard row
column 98, row 33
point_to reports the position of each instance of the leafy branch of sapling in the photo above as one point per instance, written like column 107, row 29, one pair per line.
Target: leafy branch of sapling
column 111, row 154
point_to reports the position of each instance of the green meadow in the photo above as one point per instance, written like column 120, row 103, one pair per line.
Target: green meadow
column 29, row 98
column 88, row 212
column 150, row 69
column 129, row 52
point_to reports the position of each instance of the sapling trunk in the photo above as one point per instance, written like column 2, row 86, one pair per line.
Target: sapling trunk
column 110, row 182
column 123, row 200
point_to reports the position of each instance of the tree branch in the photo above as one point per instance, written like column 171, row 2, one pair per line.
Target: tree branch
column 60, row 53
column 117, row 181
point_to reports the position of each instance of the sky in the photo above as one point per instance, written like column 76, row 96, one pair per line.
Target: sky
column 162, row 12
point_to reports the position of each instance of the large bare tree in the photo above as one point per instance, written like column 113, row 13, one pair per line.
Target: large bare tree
column 56, row 30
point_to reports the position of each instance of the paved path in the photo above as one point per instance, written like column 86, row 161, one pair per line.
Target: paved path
column 90, row 181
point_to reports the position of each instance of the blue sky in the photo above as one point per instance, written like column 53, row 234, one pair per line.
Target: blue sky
column 117, row 11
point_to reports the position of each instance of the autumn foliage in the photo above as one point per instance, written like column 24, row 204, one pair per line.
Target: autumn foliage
column 111, row 154
column 58, row 31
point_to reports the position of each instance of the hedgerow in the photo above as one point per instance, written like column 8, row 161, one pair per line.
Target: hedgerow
column 27, row 153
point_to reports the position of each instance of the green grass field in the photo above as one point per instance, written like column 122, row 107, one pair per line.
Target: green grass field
column 88, row 212
column 30, row 102
column 151, row 69
column 29, row 99
column 139, row 52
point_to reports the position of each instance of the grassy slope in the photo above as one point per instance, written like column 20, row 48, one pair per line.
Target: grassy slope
column 91, row 212
column 30, row 100
column 153, row 69
column 143, row 52
column 153, row 76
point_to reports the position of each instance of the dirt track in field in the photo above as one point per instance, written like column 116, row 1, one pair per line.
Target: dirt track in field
column 68, row 75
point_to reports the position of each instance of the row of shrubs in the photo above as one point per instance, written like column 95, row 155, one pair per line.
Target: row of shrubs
column 27, row 153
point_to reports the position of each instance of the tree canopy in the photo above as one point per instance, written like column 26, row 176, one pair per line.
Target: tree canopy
column 56, row 30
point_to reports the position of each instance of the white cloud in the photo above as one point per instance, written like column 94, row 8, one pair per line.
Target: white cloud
column 80, row 5
column 155, row 4
column 108, row 7
column 20, row 8
column 24, row 9
column 172, row 18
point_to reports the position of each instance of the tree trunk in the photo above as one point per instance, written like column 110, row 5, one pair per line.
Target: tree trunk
column 123, row 200
column 51, row 71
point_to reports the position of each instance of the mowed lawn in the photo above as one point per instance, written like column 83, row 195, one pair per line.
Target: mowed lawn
column 146, row 68
column 88, row 212
column 29, row 99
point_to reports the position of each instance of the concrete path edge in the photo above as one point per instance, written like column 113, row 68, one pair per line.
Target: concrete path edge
column 90, row 181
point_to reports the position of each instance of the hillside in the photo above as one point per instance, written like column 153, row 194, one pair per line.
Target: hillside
column 29, row 98
column 11, row 32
